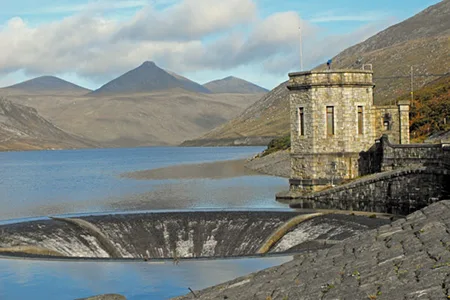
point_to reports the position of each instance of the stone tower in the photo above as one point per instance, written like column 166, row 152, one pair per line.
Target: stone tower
column 332, row 122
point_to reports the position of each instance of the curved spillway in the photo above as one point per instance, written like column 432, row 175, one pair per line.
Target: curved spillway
column 179, row 234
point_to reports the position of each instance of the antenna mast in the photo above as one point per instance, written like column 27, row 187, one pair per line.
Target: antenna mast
column 301, row 49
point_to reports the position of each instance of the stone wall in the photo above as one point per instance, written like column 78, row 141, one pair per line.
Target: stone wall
column 400, row 156
column 389, row 114
column 398, row 192
column 403, row 110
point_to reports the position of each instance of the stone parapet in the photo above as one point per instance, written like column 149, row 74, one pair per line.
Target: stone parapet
column 399, row 192
column 406, row 155
column 339, row 78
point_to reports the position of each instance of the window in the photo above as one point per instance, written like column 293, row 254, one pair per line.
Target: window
column 360, row 120
column 330, row 120
column 387, row 121
column 301, row 121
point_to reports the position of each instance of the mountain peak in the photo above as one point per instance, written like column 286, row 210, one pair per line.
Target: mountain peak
column 235, row 85
column 48, row 83
column 146, row 78
column 148, row 64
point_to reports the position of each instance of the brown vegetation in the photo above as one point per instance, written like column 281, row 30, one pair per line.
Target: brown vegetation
column 430, row 109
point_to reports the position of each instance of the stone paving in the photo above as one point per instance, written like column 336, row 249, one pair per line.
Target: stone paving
column 407, row 259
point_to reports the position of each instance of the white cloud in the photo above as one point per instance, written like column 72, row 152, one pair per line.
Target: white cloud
column 188, row 36
column 331, row 16
column 188, row 19
column 97, row 5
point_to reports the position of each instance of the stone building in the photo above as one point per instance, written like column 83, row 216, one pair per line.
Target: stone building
column 334, row 122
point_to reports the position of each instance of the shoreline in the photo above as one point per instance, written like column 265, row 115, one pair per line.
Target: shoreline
column 208, row 170
column 276, row 164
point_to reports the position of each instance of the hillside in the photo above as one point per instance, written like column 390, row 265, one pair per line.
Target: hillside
column 47, row 85
column 430, row 110
column 158, row 118
column 268, row 117
column 22, row 128
column 234, row 85
column 422, row 41
column 145, row 79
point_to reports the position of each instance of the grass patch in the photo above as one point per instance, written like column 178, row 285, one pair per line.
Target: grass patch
column 278, row 144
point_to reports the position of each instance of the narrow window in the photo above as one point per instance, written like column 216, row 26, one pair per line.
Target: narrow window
column 330, row 120
column 386, row 126
column 360, row 120
column 301, row 121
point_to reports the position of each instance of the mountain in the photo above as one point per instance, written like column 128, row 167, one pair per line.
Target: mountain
column 422, row 41
column 145, row 79
column 147, row 106
column 46, row 84
column 158, row 118
column 234, row 85
column 22, row 128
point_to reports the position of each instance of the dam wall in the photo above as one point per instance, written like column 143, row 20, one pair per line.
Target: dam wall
column 400, row 191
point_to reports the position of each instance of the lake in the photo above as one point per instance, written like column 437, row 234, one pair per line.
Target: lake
column 73, row 182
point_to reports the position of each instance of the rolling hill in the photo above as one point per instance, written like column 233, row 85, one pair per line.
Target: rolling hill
column 22, row 128
column 422, row 41
column 234, row 85
column 143, row 119
column 147, row 78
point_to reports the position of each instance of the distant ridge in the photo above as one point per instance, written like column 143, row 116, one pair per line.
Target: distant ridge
column 234, row 85
column 47, row 84
column 146, row 78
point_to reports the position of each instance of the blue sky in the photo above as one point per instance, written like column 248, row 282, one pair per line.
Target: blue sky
column 91, row 42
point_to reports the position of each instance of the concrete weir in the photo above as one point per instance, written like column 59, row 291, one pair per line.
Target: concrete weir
column 172, row 235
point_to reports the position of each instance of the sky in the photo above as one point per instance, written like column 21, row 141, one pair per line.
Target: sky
column 90, row 42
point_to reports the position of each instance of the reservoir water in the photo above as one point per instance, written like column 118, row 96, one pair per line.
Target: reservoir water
column 43, row 183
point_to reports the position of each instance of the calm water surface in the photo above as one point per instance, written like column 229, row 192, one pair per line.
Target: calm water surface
column 43, row 183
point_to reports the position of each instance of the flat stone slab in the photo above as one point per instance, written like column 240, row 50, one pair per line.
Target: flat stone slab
column 407, row 259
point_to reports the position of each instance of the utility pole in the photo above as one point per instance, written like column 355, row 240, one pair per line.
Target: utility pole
column 301, row 49
column 412, row 84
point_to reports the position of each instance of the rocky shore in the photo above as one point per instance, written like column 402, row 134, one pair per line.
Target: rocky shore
column 408, row 259
column 275, row 164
